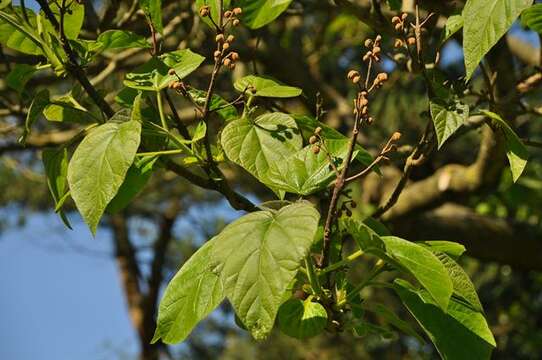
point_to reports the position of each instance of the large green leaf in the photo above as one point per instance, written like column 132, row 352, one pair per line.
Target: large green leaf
column 154, row 76
column 258, row 13
column 4, row 3
column 55, row 162
column 153, row 11
column 458, row 334
column 364, row 236
column 423, row 265
column 73, row 19
column 256, row 144
column 447, row 118
column 517, row 153
column 304, row 172
column 258, row 256
column 100, row 163
column 532, row 17
column 266, row 87
column 121, row 39
column 452, row 249
column 485, row 22
column 453, row 25
column 462, row 284
column 193, row 293
column 17, row 34
column 302, row 319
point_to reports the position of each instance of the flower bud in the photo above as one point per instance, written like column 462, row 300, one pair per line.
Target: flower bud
column 352, row 74
column 398, row 27
column 411, row 40
column 356, row 79
column 226, row 62
column 226, row 46
column 376, row 50
column 228, row 14
column 237, row 11
column 316, row 149
column 382, row 76
column 398, row 43
column 219, row 38
column 236, row 22
column 204, row 11
column 404, row 16
column 313, row 140
column 378, row 38
column 234, row 56
column 396, row 136
column 395, row 20
column 231, row 39
column 171, row 72
column 217, row 54
column 368, row 43
column 318, row 130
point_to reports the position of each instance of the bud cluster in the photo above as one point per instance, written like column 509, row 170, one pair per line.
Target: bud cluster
column 399, row 22
column 316, row 140
column 225, row 41
column 374, row 51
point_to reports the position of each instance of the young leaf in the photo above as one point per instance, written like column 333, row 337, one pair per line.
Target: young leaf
column 73, row 19
column 485, row 22
column 460, row 333
column 447, row 118
column 100, row 163
column 423, row 265
column 302, row 319
column 453, row 25
column 191, row 295
column 452, row 249
column 136, row 178
column 55, row 162
column 153, row 11
column 517, row 153
column 463, row 285
column 154, row 75
column 121, row 39
column 266, row 87
column 258, row 256
column 256, row 144
column 532, row 18
column 19, row 76
column 258, row 13
column 4, row 3
column 39, row 103
column 218, row 104
column 365, row 237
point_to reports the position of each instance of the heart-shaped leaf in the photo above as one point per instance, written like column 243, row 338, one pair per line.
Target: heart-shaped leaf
column 302, row 319
column 266, row 87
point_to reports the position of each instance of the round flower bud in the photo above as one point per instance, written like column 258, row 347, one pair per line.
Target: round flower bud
column 398, row 27
column 236, row 22
column 237, row 11
column 382, row 76
column 396, row 136
column 316, row 149
column 411, row 40
column 378, row 38
column 234, row 56
column 226, row 62
column 231, row 39
column 395, row 20
column 219, row 38
column 226, row 46
column 204, row 11
column 318, row 130
column 404, row 16
column 376, row 50
column 313, row 140
column 217, row 53
column 368, row 43
column 228, row 14
column 398, row 43
column 171, row 72
column 356, row 79
column 352, row 74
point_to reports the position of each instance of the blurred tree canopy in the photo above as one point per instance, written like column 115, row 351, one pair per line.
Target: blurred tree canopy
column 449, row 184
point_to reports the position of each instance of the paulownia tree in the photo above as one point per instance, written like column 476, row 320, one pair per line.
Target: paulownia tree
column 285, row 262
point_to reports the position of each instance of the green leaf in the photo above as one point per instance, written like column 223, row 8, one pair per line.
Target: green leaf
column 447, row 118
column 18, row 35
column 423, row 265
column 137, row 177
column 4, row 3
column 266, row 87
column 365, row 237
column 190, row 296
column 73, row 19
column 458, row 334
column 485, row 22
column 258, row 13
column 121, row 39
column 462, row 284
column 532, row 18
column 40, row 101
column 452, row 249
column 154, row 76
column 100, row 163
column 215, row 9
column 55, row 162
column 390, row 317
column 302, row 319
column 19, row 76
column 517, row 153
column 453, row 25
column 66, row 108
column 256, row 144
column 153, row 11
column 304, row 172
column 258, row 256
